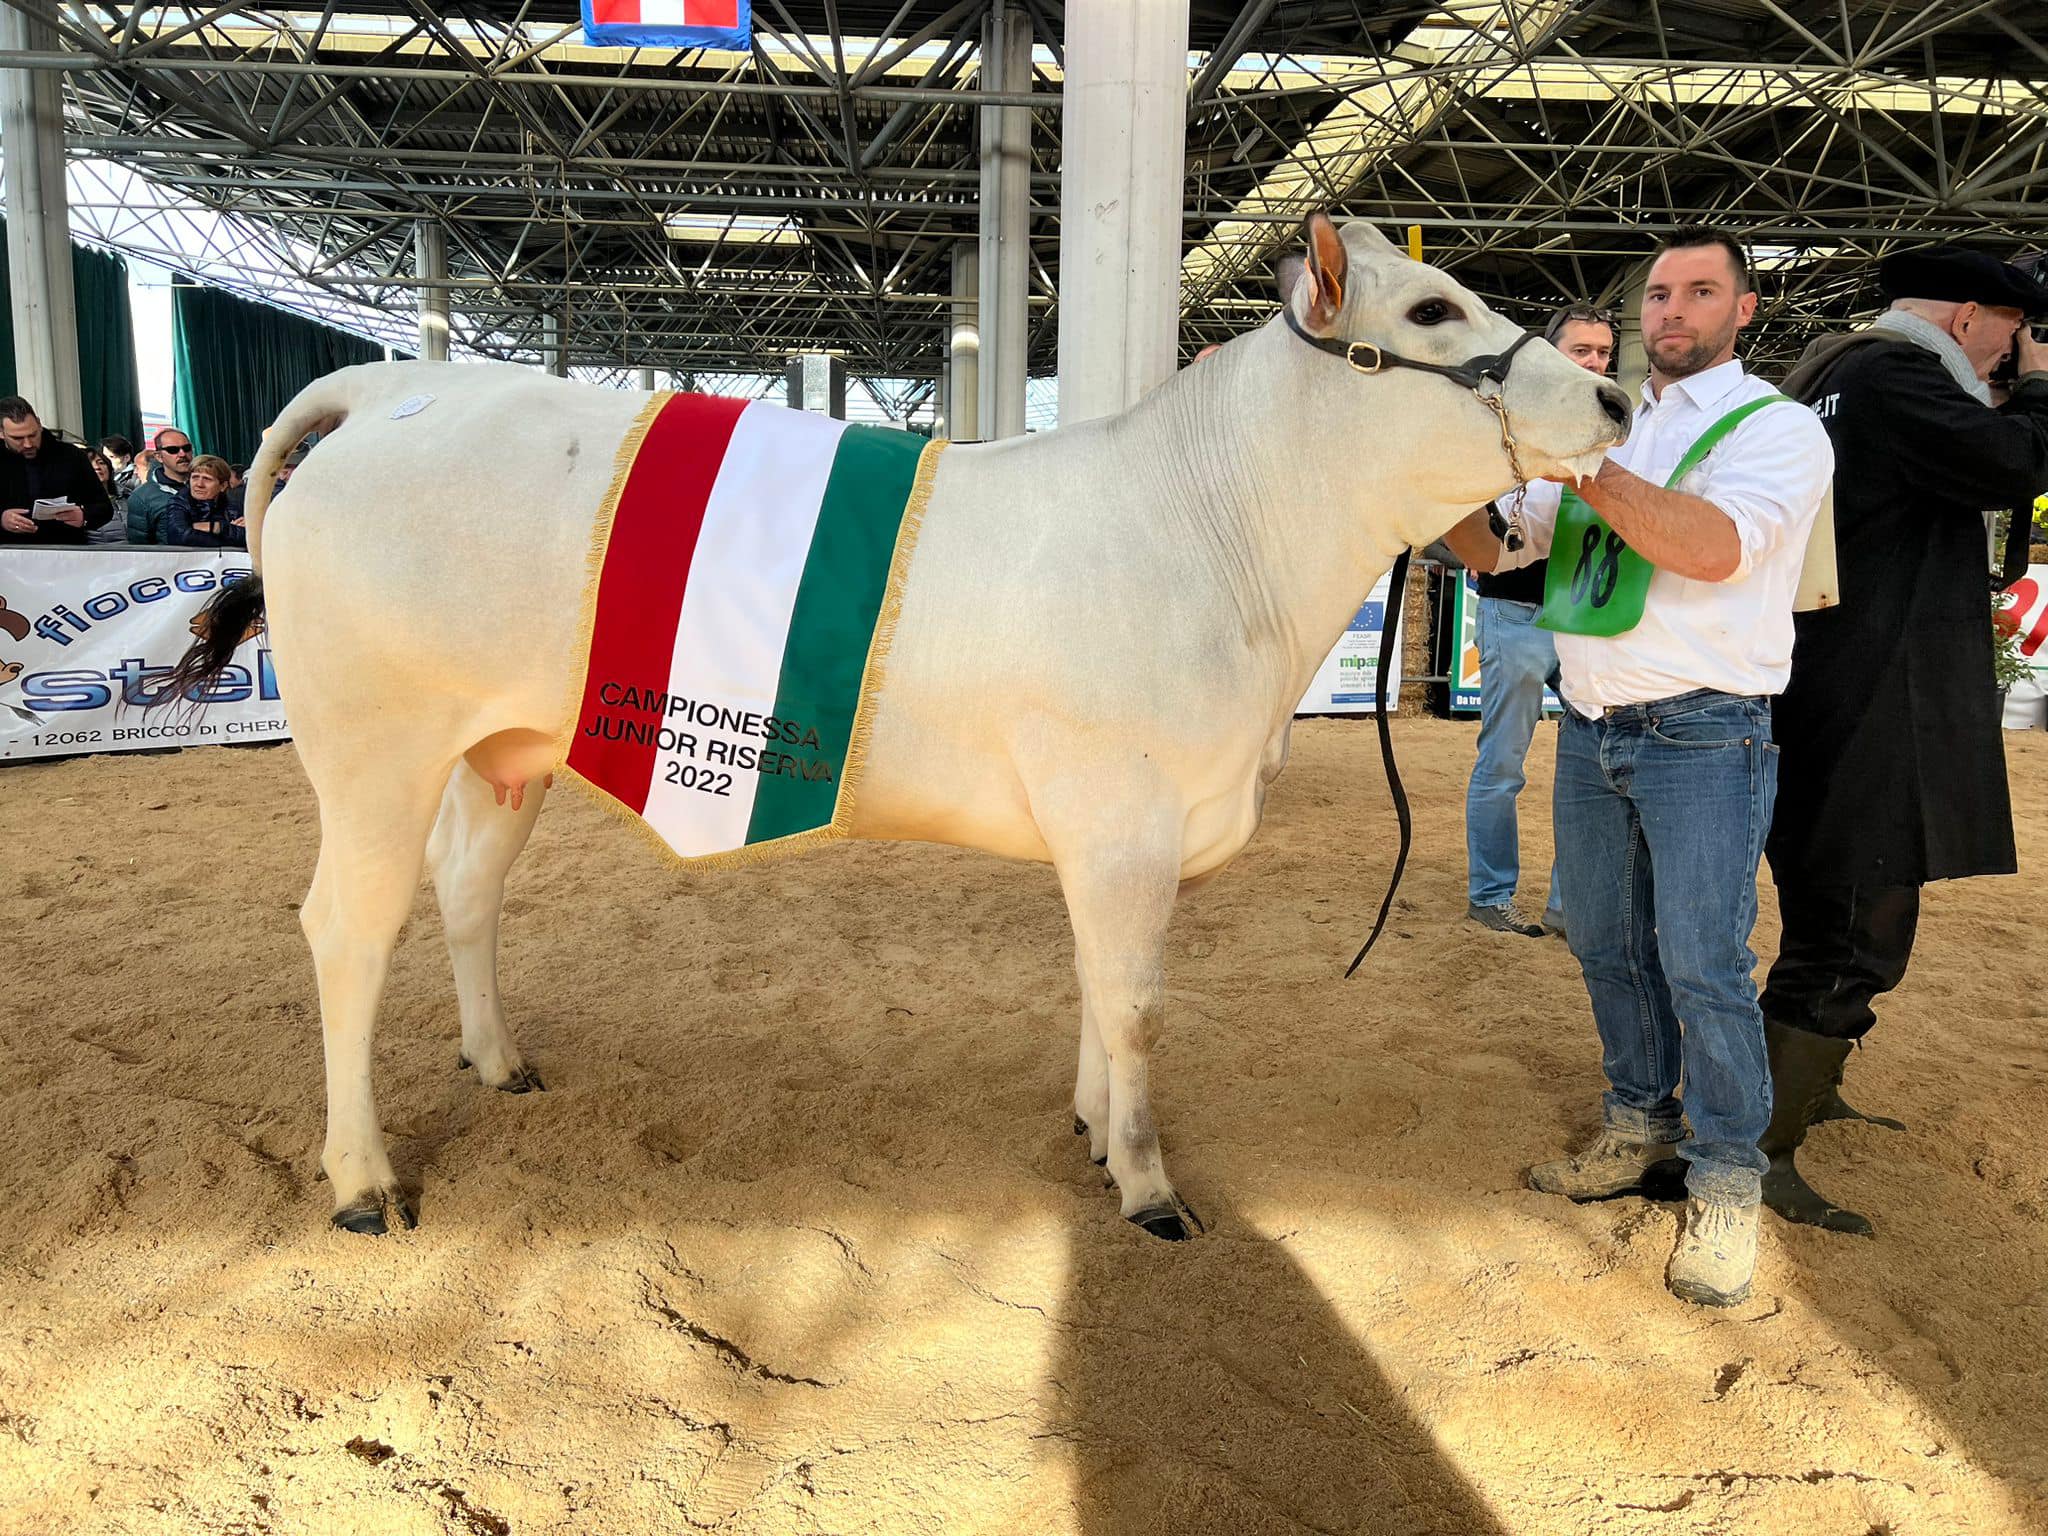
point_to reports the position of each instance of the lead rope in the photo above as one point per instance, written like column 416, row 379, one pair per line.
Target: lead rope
column 1495, row 404
column 1389, row 632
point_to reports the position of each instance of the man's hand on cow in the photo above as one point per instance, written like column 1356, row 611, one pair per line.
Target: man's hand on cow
column 17, row 520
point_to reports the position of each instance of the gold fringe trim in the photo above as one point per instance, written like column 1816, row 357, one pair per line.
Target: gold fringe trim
column 876, row 671
column 732, row 858
column 593, row 568
column 873, row 675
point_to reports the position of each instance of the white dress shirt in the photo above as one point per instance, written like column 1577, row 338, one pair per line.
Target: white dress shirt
column 1769, row 476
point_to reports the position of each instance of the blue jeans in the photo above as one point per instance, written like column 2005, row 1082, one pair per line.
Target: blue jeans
column 1661, row 814
column 1515, row 660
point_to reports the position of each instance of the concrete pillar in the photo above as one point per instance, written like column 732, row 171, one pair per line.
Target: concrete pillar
column 430, row 265
column 39, row 224
column 1123, row 137
column 1005, row 262
column 963, row 348
column 554, row 344
column 1631, row 360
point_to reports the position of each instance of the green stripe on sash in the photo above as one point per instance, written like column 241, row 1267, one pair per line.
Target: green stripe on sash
column 838, row 600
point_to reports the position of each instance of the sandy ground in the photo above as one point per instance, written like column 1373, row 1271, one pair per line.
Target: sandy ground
column 800, row 1241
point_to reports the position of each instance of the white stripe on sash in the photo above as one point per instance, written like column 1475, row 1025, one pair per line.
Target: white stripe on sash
column 736, row 615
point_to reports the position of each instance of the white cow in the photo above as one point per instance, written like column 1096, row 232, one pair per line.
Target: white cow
column 1159, row 588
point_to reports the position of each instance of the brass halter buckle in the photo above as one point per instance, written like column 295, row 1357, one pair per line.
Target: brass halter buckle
column 1351, row 352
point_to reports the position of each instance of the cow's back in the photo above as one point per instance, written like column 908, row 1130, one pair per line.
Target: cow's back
column 437, row 541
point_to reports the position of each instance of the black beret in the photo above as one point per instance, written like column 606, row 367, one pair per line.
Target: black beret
column 1959, row 275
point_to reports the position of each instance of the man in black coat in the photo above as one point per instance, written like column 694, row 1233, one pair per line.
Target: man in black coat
column 39, row 467
column 1893, row 768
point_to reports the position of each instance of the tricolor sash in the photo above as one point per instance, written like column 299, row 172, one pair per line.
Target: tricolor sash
column 747, row 568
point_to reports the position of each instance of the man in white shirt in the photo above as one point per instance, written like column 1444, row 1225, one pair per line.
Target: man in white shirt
column 1666, row 774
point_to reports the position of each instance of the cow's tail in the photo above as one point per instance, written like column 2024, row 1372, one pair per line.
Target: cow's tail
column 235, row 612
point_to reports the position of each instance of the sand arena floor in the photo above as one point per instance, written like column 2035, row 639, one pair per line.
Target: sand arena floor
column 799, row 1239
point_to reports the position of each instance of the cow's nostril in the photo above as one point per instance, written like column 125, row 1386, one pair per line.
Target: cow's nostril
column 1614, row 403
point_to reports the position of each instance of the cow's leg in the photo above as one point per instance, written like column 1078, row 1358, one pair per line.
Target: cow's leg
column 373, row 835
column 475, row 840
column 1119, row 867
column 1091, row 1081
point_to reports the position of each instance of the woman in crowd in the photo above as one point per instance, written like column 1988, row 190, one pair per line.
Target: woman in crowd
column 116, row 529
column 204, row 511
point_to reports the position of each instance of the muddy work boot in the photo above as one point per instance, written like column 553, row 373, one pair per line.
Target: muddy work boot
column 1806, row 1072
column 1716, row 1254
column 1615, row 1164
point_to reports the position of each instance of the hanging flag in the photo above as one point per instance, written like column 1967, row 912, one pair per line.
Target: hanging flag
column 668, row 23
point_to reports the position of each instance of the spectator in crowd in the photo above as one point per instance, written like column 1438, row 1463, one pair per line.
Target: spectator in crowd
column 167, row 476
column 1516, row 660
column 291, row 462
column 121, row 454
column 38, row 466
column 206, row 511
column 1665, row 769
column 1893, row 771
column 115, row 529
column 238, row 476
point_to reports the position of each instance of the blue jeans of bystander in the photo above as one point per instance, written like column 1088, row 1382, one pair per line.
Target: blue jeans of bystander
column 1661, row 814
column 1516, row 659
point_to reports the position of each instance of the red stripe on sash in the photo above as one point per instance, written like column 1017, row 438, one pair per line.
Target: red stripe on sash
column 640, row 593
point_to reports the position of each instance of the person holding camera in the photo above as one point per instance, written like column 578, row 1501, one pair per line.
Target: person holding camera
column 47, row 486
column 1893, row 768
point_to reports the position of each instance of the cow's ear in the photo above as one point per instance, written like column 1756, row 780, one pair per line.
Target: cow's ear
column 1327, row 267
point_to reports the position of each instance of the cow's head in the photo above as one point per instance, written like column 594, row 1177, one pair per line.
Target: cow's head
column 1349, row 286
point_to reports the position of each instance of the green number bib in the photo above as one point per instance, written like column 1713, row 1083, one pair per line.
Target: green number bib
column 1596, row 584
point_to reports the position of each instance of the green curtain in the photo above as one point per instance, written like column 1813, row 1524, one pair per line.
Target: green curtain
column 112, row 393
column 238, row 364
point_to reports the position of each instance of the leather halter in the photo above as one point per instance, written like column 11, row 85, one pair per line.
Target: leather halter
column 1474, row 374
column 1489, row 368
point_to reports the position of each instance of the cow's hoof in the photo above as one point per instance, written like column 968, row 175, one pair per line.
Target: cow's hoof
column 373, row 1217
column 525, row 1080
column 1173, row 1224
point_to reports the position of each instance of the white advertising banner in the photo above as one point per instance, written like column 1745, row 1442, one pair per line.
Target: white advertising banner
column 83, row 634
column 1344, row 683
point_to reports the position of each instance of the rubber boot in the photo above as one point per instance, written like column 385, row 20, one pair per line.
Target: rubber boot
column 1835, row 1107
column 1805, row 1070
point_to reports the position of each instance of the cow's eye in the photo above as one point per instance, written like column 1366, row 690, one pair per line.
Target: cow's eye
column 1433, row 312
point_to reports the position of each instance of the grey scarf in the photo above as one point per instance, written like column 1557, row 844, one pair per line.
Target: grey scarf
column 1908, row 326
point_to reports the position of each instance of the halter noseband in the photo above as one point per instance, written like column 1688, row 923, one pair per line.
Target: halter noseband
column 1474, row 374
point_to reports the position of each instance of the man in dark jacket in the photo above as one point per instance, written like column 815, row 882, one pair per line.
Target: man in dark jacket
column 1893, row 771
column 167, row 476
column 40, row 467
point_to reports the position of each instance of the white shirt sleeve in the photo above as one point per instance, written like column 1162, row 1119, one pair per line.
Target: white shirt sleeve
column 1539, row 523
column 1768, row 475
